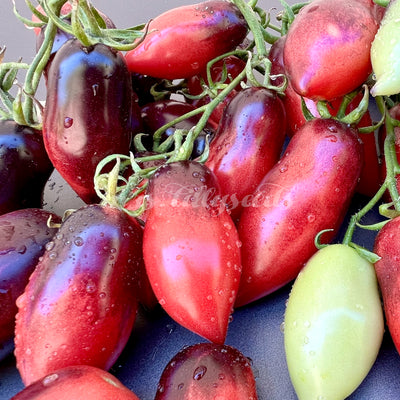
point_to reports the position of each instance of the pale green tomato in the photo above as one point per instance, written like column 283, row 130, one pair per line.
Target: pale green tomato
column 385, row 50
column 333, row 325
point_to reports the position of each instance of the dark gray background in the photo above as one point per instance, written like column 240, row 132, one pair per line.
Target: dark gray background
column 255, row 329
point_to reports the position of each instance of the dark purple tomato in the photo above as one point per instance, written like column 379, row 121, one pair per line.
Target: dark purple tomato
column 80, row 304
column 157, row 114
column 88, row 112
column 61, row 36
column 23, row 236
column 142, row 85
column 24, row 167
column 207, row 371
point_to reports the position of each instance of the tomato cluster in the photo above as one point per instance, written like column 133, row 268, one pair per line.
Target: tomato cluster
column 217, row 156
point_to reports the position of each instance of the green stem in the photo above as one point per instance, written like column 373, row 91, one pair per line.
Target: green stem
column 392, row 165
column 356, row 218
column 255, row 27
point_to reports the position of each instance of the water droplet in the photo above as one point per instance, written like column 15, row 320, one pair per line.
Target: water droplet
column 283, row 168
column 332, row 138
column 22, row 250
column 90, row 287
column 50, row 245
column 180, row 386
column 95, row 89
column 49, row 379
column 199, row 372
column 311, row 218
column 52, row 255
column 68, row 122
column 78, row 241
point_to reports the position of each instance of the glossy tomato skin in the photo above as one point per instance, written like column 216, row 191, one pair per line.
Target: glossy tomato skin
column 24, row 167
column 387, row 271
column 207, row 371
column 61, row 36
column 333, row 322
column 183, row 40
column 23, row 236
column 291, row 99
column 307, row 191
column 77, row 382
column 159, row 113
column 88, row 112
column 327, row 48
column 370, row 179
column 80, row 303
column 247, row 144
column 191, row 249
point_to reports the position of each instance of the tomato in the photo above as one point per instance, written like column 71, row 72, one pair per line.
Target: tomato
column 229, row 68
column 88, row 112
column 191, row 249
column 307, row 191
column 159, row 113
column 77, row 382
column 248, row 143
column 61, row 36
column 386, row 247
column 23, row 236
column 370, row 179
column 327, row 48
column 181, row 41
column 207, row 371
column 24, row 167
column 80, row 303
column 142, row 86
column 333, row 324
column 384, row 52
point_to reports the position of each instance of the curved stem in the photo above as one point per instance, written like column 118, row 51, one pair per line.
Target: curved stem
column 355, row 218
column 254, row 25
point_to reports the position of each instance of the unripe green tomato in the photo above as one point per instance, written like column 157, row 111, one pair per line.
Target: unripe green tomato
column 385, row 50
column 334, row 324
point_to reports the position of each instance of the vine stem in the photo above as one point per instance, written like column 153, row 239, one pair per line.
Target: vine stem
column 254, row 25
column 392, row 169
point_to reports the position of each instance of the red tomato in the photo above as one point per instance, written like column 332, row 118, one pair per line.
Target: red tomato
column 247, row 144
column 181, row 41
column 327, row 49
column 23, row 236
column 307, row 191
column 370, row 179
column 388, row 274
column 191, row 249
column 207, row 371
column 77, row 382
column 80, row 303
column 88, row 112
